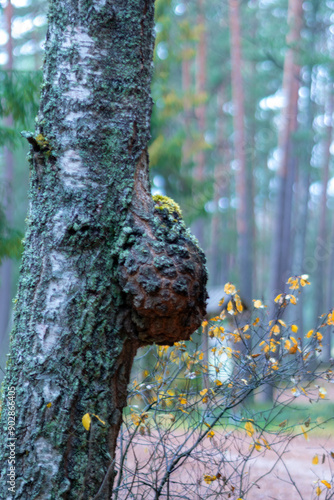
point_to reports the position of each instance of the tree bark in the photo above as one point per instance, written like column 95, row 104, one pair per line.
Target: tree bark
column 105, row 269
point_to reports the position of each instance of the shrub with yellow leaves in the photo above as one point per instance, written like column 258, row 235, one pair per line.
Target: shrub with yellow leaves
column 188, row 404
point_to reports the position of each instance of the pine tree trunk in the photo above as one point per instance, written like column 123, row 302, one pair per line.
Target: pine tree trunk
column 282, row 258
column 244, row 188
column 199, row 169
column 186, row 88
column 322, row 252
column 219, row 229
column 104, row 270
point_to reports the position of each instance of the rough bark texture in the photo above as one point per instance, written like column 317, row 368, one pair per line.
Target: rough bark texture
column 104, row 269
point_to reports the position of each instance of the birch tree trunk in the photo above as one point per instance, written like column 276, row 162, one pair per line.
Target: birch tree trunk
column 104, row 270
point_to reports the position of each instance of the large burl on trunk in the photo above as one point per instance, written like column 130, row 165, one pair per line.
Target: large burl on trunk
column 105, row 268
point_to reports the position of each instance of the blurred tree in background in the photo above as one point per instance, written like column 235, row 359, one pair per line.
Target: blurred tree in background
column 22, row 31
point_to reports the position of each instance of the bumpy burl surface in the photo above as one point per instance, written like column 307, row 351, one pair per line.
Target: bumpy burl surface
column 163, row 275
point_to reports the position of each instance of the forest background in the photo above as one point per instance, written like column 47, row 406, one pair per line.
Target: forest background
column 241, row 139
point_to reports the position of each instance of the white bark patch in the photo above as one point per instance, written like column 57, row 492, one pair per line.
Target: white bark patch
column 83, row 43
column 41, row 330
column 72, row 169
column 78, row 38
column 99, row 4
column 50, row 391
column 72, row 118
column 58, row 291
column 58, row 261
column 48, row 336
column 59, row 229
column 79, row 92
column 47, row 458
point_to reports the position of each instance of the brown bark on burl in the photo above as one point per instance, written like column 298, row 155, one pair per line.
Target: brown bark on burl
column 162, row 270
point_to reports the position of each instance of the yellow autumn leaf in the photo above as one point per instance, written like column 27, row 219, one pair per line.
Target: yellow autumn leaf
column 275, row 330
column 209, row 479
column 221, row 302
column 305, row 433
column 265, row 442
column 216, row 331
column 249, row 429
column 210, row 434
column 326, row 483
column 293, row 299
column 86, row 421
column 318, row 491
column 293, row 282
column 256, row 321
column 203, row 392
column 319, row 336
column 322, row 392
column 229, row 289
column 49, row 405
column 294, row 328
column 182, row 400
column 291, row 345
column 257, row 446
column 257, row 304
column 309, row 334
column 315, row 460
column 330, row 318
column 278, row 298
column 238, row 303
column 201, row 356
column 230, row 307
column 218, row 382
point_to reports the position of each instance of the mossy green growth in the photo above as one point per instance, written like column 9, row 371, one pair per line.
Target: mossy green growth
column 43, row 144
column 163, row 202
